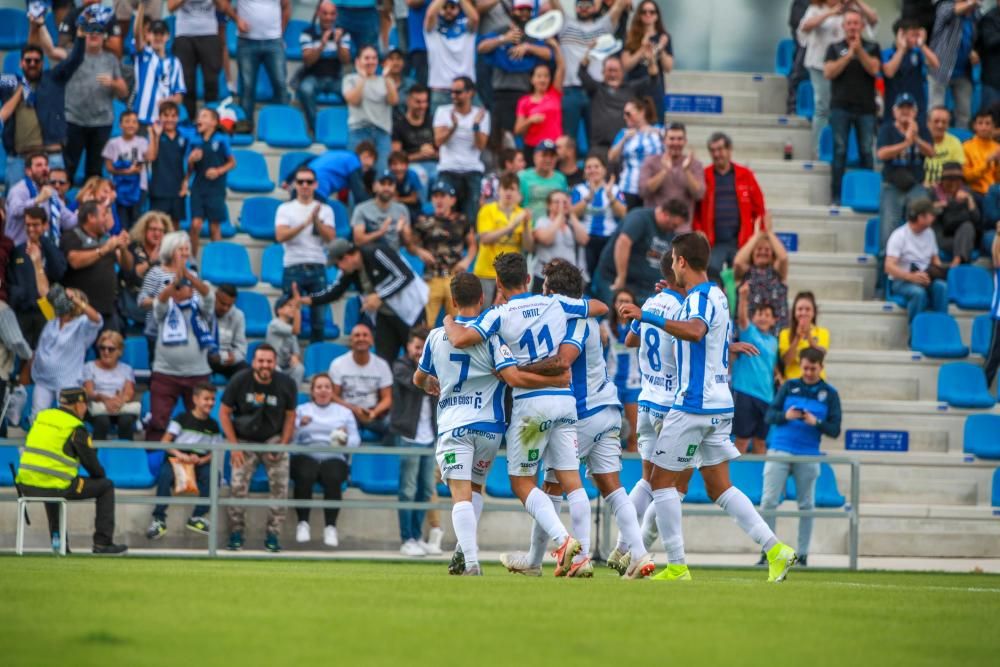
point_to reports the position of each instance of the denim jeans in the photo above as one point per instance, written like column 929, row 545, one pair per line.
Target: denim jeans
column 989, row 96
column 309, row 88
column 841, row 121
column 821, row 102
column 361, row 24
column 251, row 54
column 376, row 135
column 775, row 476
column 961, row 94
column 576, row 110
column 15, row 167
column 416, row 484
column 165, row 487
column 309, row 278
column 892, row 208
column 467, row 185
column 919, row 298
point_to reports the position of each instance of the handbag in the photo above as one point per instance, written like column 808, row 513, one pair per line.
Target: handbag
column 185, row 482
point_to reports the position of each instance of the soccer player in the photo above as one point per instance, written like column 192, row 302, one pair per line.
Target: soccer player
column 535, row 325
column 701, row 418
column 470, row 412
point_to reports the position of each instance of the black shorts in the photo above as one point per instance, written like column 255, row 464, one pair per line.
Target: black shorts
column 749, row 420
column 172, row 206
column 208, row 207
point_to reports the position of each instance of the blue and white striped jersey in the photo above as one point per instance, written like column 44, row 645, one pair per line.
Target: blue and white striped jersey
column 155, row 79
column 635, row 150
column 703, row 367
column 590, row 383
column 598, row 217
column 657, row 363
column 623, row 362
column 470, row 393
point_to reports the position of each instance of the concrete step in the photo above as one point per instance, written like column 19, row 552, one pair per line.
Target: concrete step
column 736, row 101
column 875, row 325
column 895, row 375
column 906, row 485
column 840, row 276
column 841, row 236
column 754, row 142
column 940, row 537
column 766, row 86
column 741, row 120
column 795, row 180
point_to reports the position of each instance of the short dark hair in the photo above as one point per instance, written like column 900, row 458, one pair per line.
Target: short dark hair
column 169, row 105
column 570, row 142
column 507, row 155
column 37, row 213
column 509, row 180
column 126, row 114
column 466, row 289
column 563, row 278
column 398, row 156
column 366, row 147
column 467, row 83
column 34, row 156
column 511, row 269
column 203, row 387
column 667, row 268
column 982, row 113
column 31, row 48
column 419, row 331
column 228, row 289
column 694, row 248
column 812, row 354
column 301, row 168
column 720, row 136
column 419, row 89
column 765, row 305
column 265, row 347
column 87, row 209
column 676, row 207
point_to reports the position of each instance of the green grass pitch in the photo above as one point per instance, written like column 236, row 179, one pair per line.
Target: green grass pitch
column 124, row 612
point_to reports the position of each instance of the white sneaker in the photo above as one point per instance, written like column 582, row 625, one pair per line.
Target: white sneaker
column 330, row 536
column 412, row 549
column 302, row 532
column 18, row 399
column 432, row 547
column 517, row 562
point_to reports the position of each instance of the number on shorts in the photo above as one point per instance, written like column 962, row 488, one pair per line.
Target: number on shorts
column 653, row 348
column 528, row 341
column 463, row 372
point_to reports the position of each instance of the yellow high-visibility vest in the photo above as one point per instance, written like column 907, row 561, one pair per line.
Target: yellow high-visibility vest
column 44, row 464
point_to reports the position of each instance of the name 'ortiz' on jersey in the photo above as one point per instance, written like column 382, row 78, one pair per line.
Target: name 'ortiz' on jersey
column 533, row 325
column 470, row 393
column 657, row 365
column 590, row 383
column 703, row 367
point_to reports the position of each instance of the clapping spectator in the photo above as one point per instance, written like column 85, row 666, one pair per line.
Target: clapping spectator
column 982, row 155
column 648, row 42
column 953, row 39
column 541, row 180
column 947, row 147
column 633, row 144
column 382, row 218
column 101, row 192
column 326, row 48
column 33, row 190
column 370, row 98
column 125, row 158
column 409, row 189
column 34, row 267
column 902, row 147
column 801, row 333
column 559, row 234
column 174, row 254
column 209, row 160
column 503, row 226
column 673, row 174
column 820, row 28
column 110, row 387
column 362, row 382
column 600, row 206
column 461, row 131
column 197, row 45
column 957, row 216
column 283, row 335
column 168, row 183
column 413, row 133
column 609, row 97
column 449, row 29
column 762, row 265
column 905, row 64
column 913, row 264
column 230, row 334
column 146, row 239
column 539, row 113
column 510, row 161
column 394, row 68
column 753, row 374
column 261, row 24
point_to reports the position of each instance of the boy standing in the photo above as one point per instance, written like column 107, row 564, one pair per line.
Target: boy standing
column 283, row 334
column 168, row 184
column 159, row 76
column 125, row 158
column 753, row 376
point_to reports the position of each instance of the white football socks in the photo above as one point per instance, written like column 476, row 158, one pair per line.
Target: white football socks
column 540, row 508
column 477, row 504
column 641, row 496
column 579, row 514
column 539, row 538
column 628, row 521
column 649, row 530
column 463, row 518
column 739, row 507
column 668, row 521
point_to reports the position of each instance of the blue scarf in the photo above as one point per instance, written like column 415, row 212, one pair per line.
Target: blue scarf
column 173, row 331
column 55, row 211
column 28, row 93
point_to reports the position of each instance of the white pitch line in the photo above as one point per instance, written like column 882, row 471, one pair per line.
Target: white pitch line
column 858, row 584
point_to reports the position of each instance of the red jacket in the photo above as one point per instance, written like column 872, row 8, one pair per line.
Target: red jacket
column 749, row 198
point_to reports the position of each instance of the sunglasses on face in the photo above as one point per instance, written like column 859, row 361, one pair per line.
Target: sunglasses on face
column 56, row 181
column 107, row 348
column 31, row 61
column 304, row 181
column 459, row 91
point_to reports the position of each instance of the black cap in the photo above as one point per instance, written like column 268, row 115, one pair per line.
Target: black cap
column 443, row 187
column 386, row 175
column 546, row 145
column 72, row 396
column 282, row 300
column 159, row 26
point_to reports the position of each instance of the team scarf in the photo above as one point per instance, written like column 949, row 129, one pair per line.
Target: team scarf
column 55, row 210
column 175, row 331
column 27, row 92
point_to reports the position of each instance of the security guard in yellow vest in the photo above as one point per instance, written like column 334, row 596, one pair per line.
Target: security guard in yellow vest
column 57, row 444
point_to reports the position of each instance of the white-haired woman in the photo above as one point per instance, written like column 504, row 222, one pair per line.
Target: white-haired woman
column 175, row 255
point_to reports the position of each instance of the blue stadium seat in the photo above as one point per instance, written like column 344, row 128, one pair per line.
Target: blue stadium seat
column 127, row 468
column 963, row 385
column 257, row 217
column 872, row 243
column 827, row 493
column 696, row 493
column 376, row 473
column 331, row 127
column 982, row 334
column 282, row 126
column 136, row 353
column 333, row 98
column 330, row 328
column 293, row 48
column 318, row 356
column 784, row 57
column 981, row 436
column 497, row 481
column 250, row 173
column 961, row 133
column 826, row 147
column 256, row 310
column 8, row 456
column 225, row 262
column 995, row 500
column 352, row 313
column 332, row 273
column 272, row 265
column 232, row 37
column 588, row 483
column 291, row 160
column 12, row 63
column 748, row 477
column 341, row 219
column 371, row 437
column 970, row 287
column 13, row 29
column 805, row 100
column 937, row 335
column 415, row 262
column 860, row 190
column 302, row 398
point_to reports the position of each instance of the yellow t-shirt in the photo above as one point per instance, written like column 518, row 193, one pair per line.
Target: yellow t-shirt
column 792, row 370
column 979, row 173
column 949, row 150
column 490, row 219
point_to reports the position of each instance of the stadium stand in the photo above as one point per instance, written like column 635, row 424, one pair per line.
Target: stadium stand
column 224, row 262
column 282, row 126
column 982, row 436
column 937, row 335
column 963, row 385
column 257, row 217
column 982, row 334
column 256, row 310
column 970, row 287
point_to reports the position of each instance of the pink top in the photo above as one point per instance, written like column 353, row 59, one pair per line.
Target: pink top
column 551, row 106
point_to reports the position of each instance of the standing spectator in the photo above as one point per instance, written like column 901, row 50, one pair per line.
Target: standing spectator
column 559, row 234
column 370, row 99
column 382, row 217
column 753, row 374
column 673, row 174
column 732, row 207
column 283, row 335
column 34, row 267
column 110, row 387
column 632, row 262
column 503, row 226
column 303, row 226
column 609, row 97
column 230, row 334
column 35, row 190
column 325, row 50
column 321, row 423
column 101, row 192
column 258, row 406
column 450, row 37
column 820, row 28
column 168, row 183
column 993, row 356
column 905, row 64
column 362, row 382
column 902, row 147
column 633, row 144
column 600, row 206
column 125, row 158
column 92, row 257
column 947, row 147
column 197, row 45
column 446, row 243
column 953, row 40
column 648, row 42
column 413, row 134
column 511, row 161
column 209, row 160
column 982, row 155
column 539, row 113
column 851, row 66
column 542, row 179
column 762, row 263
column 988, row 49
column 803, row 332
column 957, row 216
column 409, row 189
column 623, row 367
column 360, row 20
column 261, row 24
column 146, row 239
column 460, row 133
column 159, row 75
column 913, row 264
column 416, row 47
column 175, row 252
column 567, row 160
column 803, row 411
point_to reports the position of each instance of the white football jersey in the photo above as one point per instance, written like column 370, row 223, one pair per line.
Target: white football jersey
column 590, row 383
column 657, row 365
column 703, row 367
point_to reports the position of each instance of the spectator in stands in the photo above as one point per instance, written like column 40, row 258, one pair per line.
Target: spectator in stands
column 623, row 366
column 261, row 24
column 168, row 183
column 197, row 45
column 905, row 66
column 416, row 48
column 258, row 406
column 370, row 98
column 803, row 412
column 503, row 226
column 92, row 257
column 460, row 133
column 446, row 243
column 337, row 170
column 542, row 179
column 82, row 13
column 988, row 50
column 159, row 76
column 34, row 190
column 600, row 206
column 413, row 134
column 110, row 387
column 672, row 174
column 381, row 218
column 101, row 192
column 449, row 31
column 753, row 374
column 539, row 113
column 633, row 144
column 982, row 155
column 762, row 265
column 34, row 267
column 209, row 160
column 902, row 147
column 303, row 226
column 567, row 160
column 360, row 19
column 326, row 48
column 125, row 158
column 409, row 189
column 283, row 335
column 953, row 40
column 632, row 262
column 190, row 431
column 230, row 334
column 913, row 264
column 992, row 362
column 59, row 179
column 511, row 161
column 957, row 216
column 559, row 235
column 732, row 207
column 821, row 27
column 851, row 66
column 648, row 42
column 803, row 332
column 321, row 423
column 174, row 254
column 609, row 97
column 146, row 239
column 947, row 147
column 362, row 382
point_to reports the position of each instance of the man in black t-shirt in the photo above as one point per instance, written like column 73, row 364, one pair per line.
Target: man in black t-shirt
column 413, row 133
column 325, row 48
column 851, row 66
column 903, row 145
column 258, row 405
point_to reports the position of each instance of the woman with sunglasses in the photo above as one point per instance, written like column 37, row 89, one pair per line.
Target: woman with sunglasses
column 648, row 41
column 633, row 144
column 110, row 387
column 370, row 99
column 147, row 236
